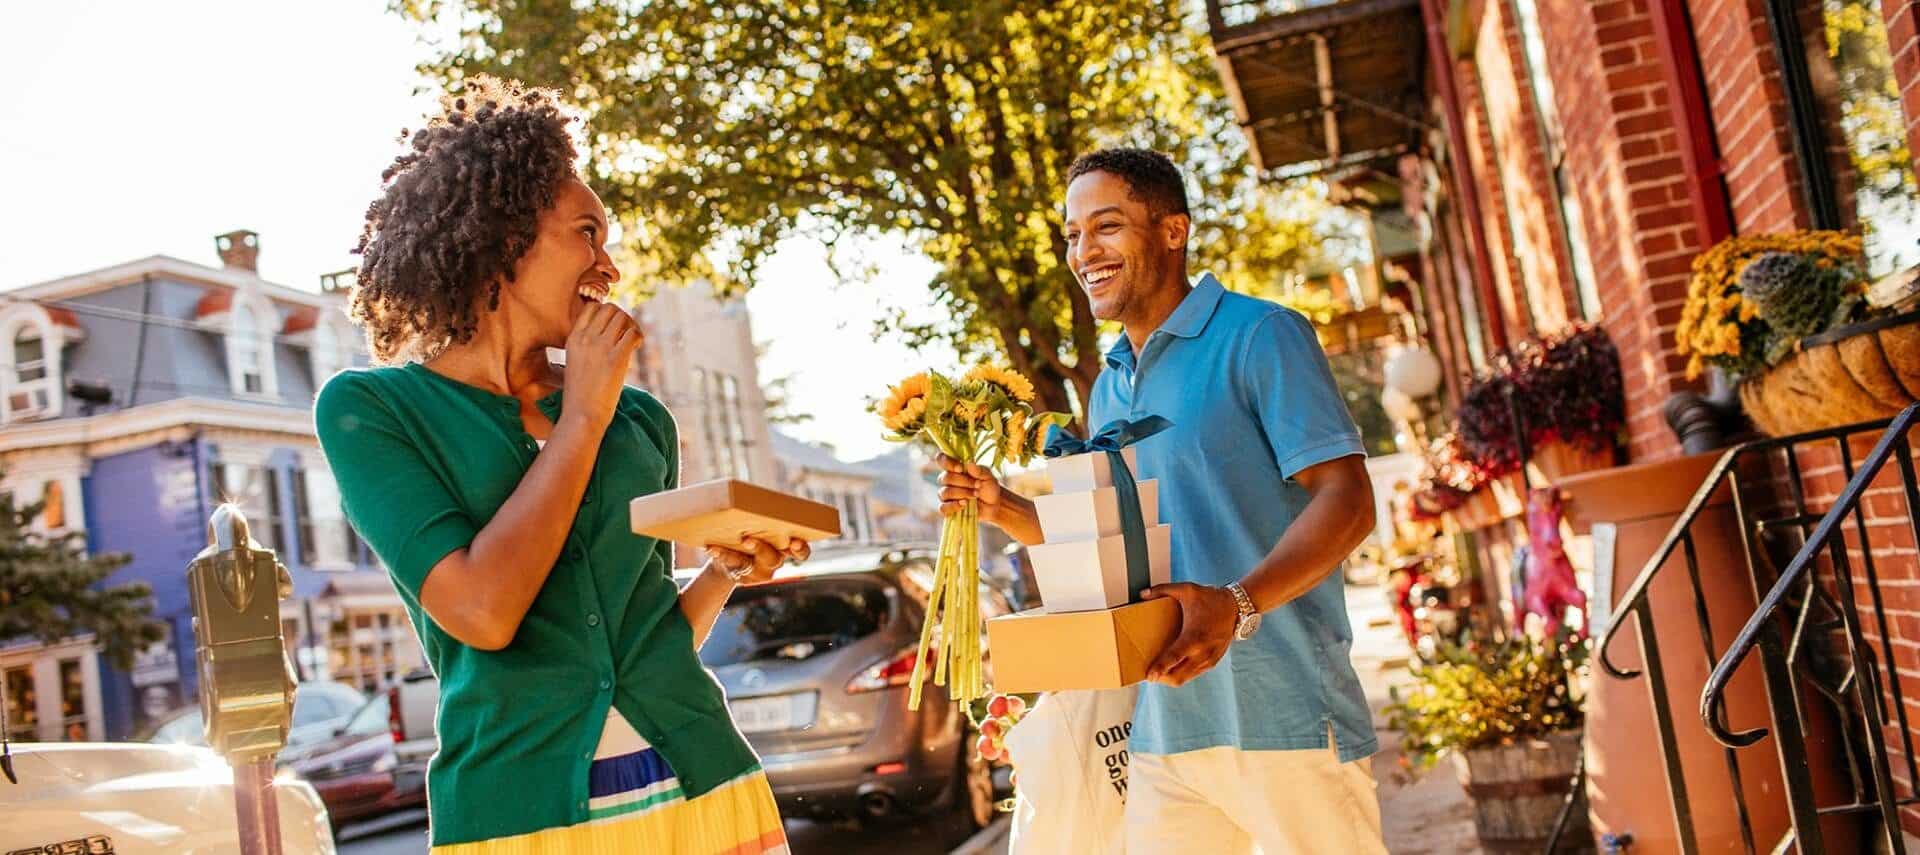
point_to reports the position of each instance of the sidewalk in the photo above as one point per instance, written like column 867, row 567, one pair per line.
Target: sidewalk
column 1429, row 815
column 1426, row 816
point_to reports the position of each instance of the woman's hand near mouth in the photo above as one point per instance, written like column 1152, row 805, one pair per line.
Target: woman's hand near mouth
column 599, row 350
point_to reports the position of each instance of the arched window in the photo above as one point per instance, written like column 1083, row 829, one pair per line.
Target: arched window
column 30, row 378
column 250, row 324
column 331, row 346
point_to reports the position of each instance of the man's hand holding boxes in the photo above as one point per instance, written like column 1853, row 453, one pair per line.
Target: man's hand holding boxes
column 1104, row 545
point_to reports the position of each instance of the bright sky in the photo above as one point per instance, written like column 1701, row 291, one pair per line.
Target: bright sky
column 134, row 128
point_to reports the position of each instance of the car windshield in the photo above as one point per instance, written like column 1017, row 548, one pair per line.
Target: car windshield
column 185, row 729
column 795, row 620
column 371, row 719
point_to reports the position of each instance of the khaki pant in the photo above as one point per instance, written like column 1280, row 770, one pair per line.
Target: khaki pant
column 1225, row 801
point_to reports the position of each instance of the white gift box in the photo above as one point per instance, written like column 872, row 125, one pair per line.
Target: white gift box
column 1080, row 473
column 1091, row 514
column 1085, row 575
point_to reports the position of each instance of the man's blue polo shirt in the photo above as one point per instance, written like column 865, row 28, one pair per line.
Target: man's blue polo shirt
column 1252, row 402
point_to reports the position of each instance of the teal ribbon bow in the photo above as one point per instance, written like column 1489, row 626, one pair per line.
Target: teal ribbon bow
column 1115, row 436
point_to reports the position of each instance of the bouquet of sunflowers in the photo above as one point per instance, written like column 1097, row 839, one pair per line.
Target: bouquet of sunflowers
column 986, row 417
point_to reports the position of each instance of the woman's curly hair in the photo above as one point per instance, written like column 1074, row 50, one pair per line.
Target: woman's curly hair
column 456, row 212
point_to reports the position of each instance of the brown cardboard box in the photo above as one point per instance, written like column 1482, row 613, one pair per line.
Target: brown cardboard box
column 1034, row 651
column 722, row 512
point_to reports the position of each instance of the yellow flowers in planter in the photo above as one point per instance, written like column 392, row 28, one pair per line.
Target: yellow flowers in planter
column 1719, row 325
column 986, row 417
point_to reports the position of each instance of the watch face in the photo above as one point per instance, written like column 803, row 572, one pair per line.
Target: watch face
column 1248, row 626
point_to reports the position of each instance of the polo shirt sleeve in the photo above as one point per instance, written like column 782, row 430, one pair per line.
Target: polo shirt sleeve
column 1285, row 380
column 393, row 498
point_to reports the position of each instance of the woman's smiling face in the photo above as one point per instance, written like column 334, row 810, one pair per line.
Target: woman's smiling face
column 567, row 266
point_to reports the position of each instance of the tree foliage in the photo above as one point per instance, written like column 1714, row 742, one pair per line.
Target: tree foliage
column 719, row 129
column 51, row 589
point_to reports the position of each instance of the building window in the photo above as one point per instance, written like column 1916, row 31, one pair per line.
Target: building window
column 30, row 392
column 73, row 701
column 326, row 541
column 53, row 511
column 736, row 431
column 1864, row 129
column 331, row 346
column 256, row 489
column 720, row 424
column 249, row 354
column 23, row 705
column 1553, row 141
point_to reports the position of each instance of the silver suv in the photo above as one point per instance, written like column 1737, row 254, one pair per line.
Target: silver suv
column 815, row 666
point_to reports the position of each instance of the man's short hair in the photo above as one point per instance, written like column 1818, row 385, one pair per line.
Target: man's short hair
column 1151, row 177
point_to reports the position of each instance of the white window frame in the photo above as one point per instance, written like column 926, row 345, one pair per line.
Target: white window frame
column 249, row 308
column 44, row 397
column 332, row 542
column 331, row 345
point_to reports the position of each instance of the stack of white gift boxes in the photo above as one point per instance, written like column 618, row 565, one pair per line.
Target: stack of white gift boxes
column 1083, row 564
column 1088, row 634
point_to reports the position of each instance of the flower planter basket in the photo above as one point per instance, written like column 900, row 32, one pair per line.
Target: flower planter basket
column 1481, row 509
column 1552, row 462
column 1510, row 495
column 1855, row 373
column 1518, row 791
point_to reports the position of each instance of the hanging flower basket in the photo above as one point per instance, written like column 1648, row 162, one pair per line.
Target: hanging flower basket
column 1481, row 509
column 1853, row 373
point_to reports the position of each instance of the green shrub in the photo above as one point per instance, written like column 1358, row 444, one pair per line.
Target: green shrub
column 1492, row 694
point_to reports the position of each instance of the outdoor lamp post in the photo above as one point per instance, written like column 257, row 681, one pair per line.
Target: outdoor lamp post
column 246, row 683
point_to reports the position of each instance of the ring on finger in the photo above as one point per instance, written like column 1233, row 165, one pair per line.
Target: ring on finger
column 738, row 573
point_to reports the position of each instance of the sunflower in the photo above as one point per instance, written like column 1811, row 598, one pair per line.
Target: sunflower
column 908, row 420
column 1041, row 430
column 1005, row 379
column 906, row 403
column 1013, row 437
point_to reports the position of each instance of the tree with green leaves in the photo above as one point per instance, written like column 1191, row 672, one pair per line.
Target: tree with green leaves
column 719, row 129
column 51, row 589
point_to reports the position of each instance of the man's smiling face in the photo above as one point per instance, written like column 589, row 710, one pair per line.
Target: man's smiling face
column 1118, row 251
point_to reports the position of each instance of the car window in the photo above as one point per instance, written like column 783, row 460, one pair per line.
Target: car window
column 185, row 729
column 795, row 621
column 371, row 718
column 311, row 708
column 318, row 702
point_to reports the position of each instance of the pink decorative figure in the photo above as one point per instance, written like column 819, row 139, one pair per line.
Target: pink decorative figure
column 1550, row 586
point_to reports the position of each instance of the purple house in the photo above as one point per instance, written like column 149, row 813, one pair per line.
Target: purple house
column 136, row 397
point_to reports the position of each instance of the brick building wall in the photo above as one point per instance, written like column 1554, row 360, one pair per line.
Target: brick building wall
column 1509, row 310
column 1623, row 168
column 1531, row 216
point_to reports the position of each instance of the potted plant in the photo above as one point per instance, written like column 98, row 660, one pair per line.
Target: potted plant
column 1455, row 486
column 1569, row 394
column 1788, row 314
column 1508, row 716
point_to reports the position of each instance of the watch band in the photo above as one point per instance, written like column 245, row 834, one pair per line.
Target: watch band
column 1241, row 600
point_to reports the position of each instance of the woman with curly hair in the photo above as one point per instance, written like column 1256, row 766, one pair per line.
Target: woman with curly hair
column 575, row 715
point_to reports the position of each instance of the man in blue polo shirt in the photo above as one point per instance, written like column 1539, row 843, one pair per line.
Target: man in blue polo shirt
column 1253, row 733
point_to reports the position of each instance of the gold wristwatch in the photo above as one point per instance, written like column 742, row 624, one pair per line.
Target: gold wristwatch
column 1249, row 621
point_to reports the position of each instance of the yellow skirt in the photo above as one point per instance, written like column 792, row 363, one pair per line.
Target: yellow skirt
column 637, row 806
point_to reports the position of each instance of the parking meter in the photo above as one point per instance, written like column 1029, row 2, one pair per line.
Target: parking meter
column 246, row 682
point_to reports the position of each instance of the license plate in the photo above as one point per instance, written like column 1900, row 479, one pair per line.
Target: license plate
column 774, row 712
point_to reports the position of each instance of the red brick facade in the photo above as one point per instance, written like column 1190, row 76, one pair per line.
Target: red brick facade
column 1623, row 170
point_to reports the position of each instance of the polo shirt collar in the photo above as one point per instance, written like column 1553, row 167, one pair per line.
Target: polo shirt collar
column 1188, row 320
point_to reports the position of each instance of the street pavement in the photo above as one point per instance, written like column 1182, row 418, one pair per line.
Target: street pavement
column 1427, row 814
column 406, row 834
column 1424, row 815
